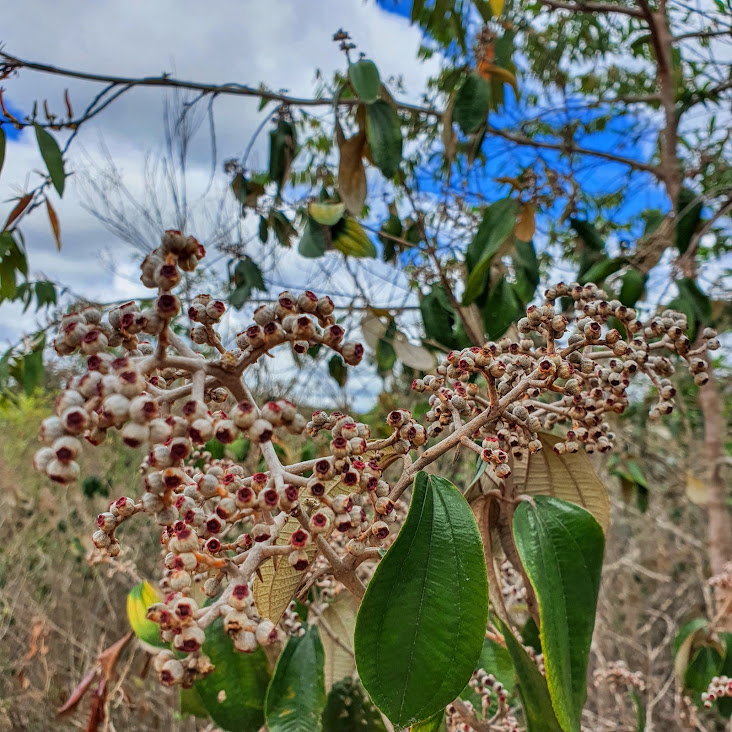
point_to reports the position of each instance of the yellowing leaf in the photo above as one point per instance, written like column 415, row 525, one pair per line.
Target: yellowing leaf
column 696, row 490
column 54, row 224
column 526, row 223
column 339, row 620
column 139, row 599
column 279, row 581
column 570, row 476
column 496, row 6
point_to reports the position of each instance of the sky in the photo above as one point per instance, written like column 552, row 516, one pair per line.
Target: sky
column 275, row 42
column 281, row 43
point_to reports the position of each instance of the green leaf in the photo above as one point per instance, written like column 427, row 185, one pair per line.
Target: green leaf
column 421, row 624
column 348, row 709
column 640, row 710
column 601, row 270
column 438, row 317
column 496, row 226
column 337, row 369
column 45, row 293
column 296, row 694
column 690, row 204
column 312, row 241
column 282, row 150
column 472, row 103
column 51, row 154
column 282, row 227
column 532, row 687
column 33, row 370
column 234, row 692
column 436, row 723
column 632, row 288
column 561, row 547
column 139, row 599
column 527, row 270
column 190, row 704
column 364, row 78
column 496, row 660
column 2, row 147
column 588, row 234
column 263, row 229
column 501, row 308
column 385, row 354
column 384, row 135
column 700, row 303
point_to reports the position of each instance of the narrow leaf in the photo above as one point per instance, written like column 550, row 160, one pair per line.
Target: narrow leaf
column 532, row 686
column 561, row 547
column 21, row 206
column 51, row 154
column 296, row 694
column 54, row 224
column 422, row 621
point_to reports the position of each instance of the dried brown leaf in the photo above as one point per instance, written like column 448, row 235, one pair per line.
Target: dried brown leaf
column 53, row 218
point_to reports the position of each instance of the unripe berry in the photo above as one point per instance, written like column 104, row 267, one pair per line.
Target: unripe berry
column 298, row 560
column 190, row 639
column 62, row 472
column 167, row 306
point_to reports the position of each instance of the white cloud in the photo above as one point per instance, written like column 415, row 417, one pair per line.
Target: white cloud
column 281, row 42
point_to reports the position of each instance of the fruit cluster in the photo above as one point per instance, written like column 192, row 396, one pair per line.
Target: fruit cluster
column 321, row 519
column 569, row 371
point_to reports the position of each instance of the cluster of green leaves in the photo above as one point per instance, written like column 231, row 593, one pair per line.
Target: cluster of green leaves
column 420, row 630
column 699, row 655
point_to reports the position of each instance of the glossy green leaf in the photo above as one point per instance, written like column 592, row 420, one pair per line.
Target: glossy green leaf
column 421, row 624
column 495, row 227
column 472, row 103
column 532, row 687
column 561, row 546
column 234, row 692
column 632, row 288
column 365, row 80
column 312, row 242
column 51, row 154
column 296, row 694
column 436, row 723
column 384, row 135
column 348, row 709
column 139, row 599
